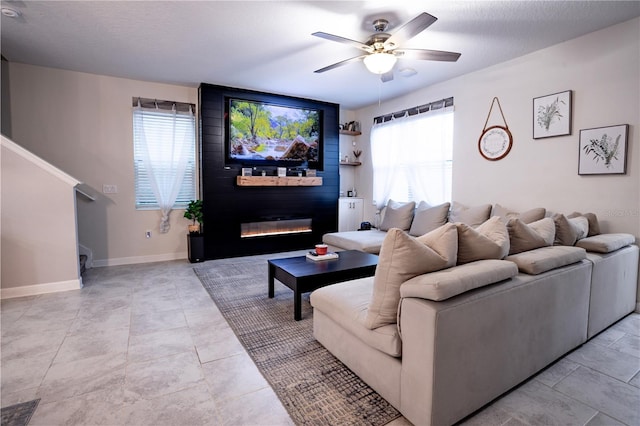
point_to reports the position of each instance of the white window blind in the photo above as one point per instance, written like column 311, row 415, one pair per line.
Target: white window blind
column 164, row 143
column 412, row 158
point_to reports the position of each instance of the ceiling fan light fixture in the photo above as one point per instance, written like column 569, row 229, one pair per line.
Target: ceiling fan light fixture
column 380, row 63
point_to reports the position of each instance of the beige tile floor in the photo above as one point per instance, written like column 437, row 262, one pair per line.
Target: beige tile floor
column 144, row 344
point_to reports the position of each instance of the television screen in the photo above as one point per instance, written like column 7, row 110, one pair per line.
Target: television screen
column 264, row 133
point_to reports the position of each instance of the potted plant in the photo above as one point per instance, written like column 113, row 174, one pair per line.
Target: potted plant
column 194, row 213
column 195, row 239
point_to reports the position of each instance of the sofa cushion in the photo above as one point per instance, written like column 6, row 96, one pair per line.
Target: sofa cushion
column 490, row 240
column 397, row 215
column 367, row 241
column 606, row 243
column 472, row 216
column 523, row 237
column 594, row 226
column 402, row 257
column 427, row 218
column 346, row 303
column 543, row 259
column 450, row 282
column 568, row 231
column 528, row 216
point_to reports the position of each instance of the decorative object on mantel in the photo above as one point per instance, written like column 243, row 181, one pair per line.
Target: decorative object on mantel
column 495, row 142
column 552, row 115
column 603, row 150
column 278, row 181
column 357, row 153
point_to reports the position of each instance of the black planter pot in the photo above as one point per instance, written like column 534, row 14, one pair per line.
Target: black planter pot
column 195, row 247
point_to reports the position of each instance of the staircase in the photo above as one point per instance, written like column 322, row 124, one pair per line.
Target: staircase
column 83, row 263
column 39, row 225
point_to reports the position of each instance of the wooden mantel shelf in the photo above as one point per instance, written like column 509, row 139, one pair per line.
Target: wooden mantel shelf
column 278, row 181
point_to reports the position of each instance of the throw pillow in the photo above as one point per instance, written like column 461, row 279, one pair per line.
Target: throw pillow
column 523, row 237
column 427, row 218
column 472, row 216
column 568, row 231
column 594, row 226
column 581, row 225
column 527, row 216
column 403, row 257
column 566, row 235
column 397, row 215
column 490, row 240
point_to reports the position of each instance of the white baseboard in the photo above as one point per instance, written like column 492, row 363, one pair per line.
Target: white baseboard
column 139, row 259
column 35, row 289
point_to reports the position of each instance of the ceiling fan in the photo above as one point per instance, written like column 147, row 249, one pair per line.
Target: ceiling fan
column 383, row 49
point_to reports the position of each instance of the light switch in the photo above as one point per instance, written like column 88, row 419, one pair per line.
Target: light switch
column 109, row 189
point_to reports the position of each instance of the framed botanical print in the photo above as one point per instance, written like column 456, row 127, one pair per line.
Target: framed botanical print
column 603, row 150
column 552, row 115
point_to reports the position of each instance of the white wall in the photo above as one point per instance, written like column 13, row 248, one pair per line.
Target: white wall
column 602, row 69
column 82, row 124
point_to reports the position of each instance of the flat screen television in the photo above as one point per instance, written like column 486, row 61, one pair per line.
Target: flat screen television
column 268, row 134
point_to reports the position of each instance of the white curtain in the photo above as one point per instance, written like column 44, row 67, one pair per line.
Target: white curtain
column 165, row 146
column 412, row 158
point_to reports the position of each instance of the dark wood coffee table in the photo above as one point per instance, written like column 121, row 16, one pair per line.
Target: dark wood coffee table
column 303, row 275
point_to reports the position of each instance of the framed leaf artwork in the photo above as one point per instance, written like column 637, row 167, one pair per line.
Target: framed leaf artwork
column 603, row 150
column 552, row 115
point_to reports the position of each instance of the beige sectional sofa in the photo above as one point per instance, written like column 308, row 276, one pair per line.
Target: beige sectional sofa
column 458, row 316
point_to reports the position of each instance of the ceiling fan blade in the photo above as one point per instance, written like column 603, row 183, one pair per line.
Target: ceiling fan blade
column 411, row 29
column 427, row 55
column 343, row 40
column 388, row 76
column 339, row 64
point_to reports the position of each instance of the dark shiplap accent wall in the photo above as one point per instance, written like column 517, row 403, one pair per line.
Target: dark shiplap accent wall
column 227, row 205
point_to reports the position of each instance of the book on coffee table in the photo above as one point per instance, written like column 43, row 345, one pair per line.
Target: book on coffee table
column 314, row 256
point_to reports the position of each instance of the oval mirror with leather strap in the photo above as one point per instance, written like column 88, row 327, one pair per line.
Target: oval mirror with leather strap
column 495, row 142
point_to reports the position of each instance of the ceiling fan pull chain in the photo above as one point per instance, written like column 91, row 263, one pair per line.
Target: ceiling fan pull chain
column 495, row 100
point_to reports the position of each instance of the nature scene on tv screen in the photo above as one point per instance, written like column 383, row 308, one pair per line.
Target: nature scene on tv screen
column 260, row 131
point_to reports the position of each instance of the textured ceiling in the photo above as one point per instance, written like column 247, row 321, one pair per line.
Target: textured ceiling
column 268, row 46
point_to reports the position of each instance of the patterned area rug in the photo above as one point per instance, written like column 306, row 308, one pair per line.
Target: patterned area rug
column 18, row 414
column 314, row 386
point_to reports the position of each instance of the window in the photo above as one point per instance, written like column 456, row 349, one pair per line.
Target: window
column 164, row 154
column 412, row 158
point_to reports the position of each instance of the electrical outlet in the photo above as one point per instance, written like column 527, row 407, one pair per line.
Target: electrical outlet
column 147, row 234
column 109, row 189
